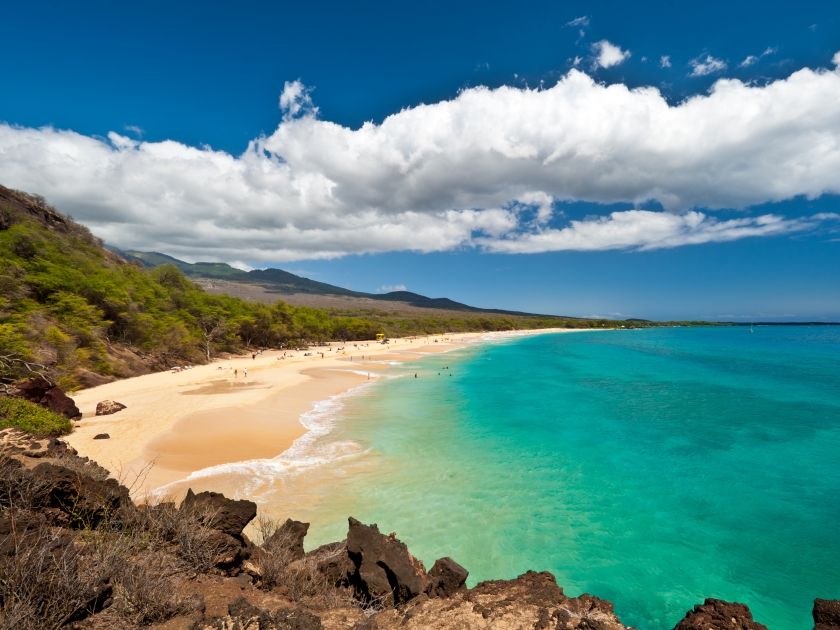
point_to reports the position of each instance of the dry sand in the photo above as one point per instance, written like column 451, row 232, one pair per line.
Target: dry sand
column 178, row 423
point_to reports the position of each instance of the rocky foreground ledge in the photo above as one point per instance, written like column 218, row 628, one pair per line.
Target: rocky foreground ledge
column 76, row 552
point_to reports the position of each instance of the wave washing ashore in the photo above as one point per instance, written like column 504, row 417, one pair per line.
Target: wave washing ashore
column 651, row 467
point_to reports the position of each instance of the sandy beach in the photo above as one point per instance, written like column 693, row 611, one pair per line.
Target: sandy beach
column 176, row 423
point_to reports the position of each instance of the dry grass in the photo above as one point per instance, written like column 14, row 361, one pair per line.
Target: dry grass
column 302, row 578
column 20, row 490
column 49, row 579
column 132, row 561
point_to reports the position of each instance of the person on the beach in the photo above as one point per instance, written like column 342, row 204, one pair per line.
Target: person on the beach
column 236, row 373
column 245, row 370
column 415, row 375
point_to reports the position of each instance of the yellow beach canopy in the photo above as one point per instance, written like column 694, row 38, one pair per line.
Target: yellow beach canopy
column 380, row 336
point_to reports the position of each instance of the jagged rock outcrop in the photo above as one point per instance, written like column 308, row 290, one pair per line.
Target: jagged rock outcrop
column 227, row 515
column 42, row 392
column 289, row 537
column 385, row 571
column 446, row 577
column 716, row 614
column 826, row 614
column 108, row 407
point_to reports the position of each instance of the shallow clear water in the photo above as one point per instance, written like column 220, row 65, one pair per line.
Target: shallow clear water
column 653, row 468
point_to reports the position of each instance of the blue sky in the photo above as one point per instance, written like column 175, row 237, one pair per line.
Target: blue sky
column 209, row 76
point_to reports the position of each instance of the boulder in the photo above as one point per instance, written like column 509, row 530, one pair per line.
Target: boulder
column 107, row 407
column 826, row 614
column 85, row 499
column 228, row 550
column 60, row 404
column 226, row 515
column 385, row 572
column 289, row 537
column 716, row 614
column 446, row 578
column 42, row 392
column 101, row 436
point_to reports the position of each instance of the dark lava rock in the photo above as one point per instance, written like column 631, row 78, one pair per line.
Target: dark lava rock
column 716, row 614
column 296, row 620
column 334, row 563
column 41, row 392
column 289, row 537
column 226, row 515
column 227, row 548
column 60, row 404
column 242, row 611
column 18, row 530
column 385, row 571
column 107, row 407
column 826, row 614
column 101, row 597
column 101, row 436
column 85, row 499
column 446, row 578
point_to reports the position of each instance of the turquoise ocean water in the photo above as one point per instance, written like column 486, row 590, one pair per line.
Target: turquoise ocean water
column 653, row 468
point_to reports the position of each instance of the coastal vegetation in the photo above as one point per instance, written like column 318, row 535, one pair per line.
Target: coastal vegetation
column 84, row 315
column 16, row 412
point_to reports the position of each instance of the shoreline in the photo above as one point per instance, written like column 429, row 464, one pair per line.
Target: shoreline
column 176, row 424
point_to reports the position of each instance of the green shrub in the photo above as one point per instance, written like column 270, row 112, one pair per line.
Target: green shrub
column 16, row 412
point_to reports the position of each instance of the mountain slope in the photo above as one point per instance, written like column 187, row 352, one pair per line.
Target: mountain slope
column 284, row 282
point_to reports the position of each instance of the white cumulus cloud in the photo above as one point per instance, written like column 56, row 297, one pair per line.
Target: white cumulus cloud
column 388, row 288
column 706, row 64
column 490, row 168
column 607, row 54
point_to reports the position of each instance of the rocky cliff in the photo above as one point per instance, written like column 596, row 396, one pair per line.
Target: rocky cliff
column 76, row 552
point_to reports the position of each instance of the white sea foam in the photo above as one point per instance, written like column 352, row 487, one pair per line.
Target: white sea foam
column 307, row 452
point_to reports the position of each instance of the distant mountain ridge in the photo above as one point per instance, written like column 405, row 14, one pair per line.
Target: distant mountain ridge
column 284, row 282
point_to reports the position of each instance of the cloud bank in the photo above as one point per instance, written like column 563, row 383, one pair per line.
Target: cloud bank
column 490, row 168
